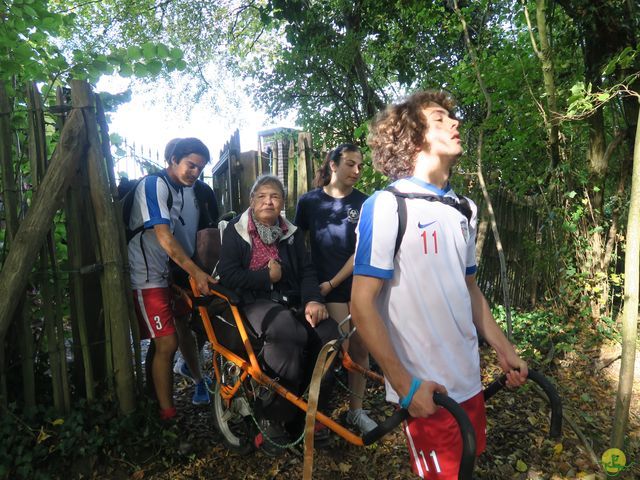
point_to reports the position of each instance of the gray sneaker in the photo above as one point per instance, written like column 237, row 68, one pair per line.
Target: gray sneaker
column 359, row 418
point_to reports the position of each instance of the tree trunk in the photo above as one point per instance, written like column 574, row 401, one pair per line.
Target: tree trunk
column 483, row 185
column 602, row 39
column 10, row 199
column 31, row 234
column 371, row 101
column 630, row 316
column 9, row 188
column 545, row 54
column 114, row 286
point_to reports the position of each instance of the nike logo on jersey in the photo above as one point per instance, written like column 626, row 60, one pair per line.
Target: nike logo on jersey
column 425, row 225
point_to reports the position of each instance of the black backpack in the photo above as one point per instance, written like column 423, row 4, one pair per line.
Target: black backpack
column 461, row 204
column 127, row 193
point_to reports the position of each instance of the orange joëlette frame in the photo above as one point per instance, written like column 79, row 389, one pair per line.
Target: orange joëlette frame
column 253, row 369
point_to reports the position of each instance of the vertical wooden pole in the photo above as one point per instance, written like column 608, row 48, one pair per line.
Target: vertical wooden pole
column 73, row 214
column 106, row 150
column 32, row 230
column 305, row 164
column 37, row 158
column 10, row 198
column 292, row 193
column 114, row 286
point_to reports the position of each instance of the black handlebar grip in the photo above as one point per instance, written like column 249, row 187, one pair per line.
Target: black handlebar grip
column 555, row 428
column 231, row 296
column 385, row 427
column 466, row 430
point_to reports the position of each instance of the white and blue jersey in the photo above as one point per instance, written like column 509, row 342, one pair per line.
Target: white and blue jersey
column 424, row 300
column 148, row 262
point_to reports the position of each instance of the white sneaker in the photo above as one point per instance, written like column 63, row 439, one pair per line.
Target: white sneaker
column 181, row 368
column 359, row 418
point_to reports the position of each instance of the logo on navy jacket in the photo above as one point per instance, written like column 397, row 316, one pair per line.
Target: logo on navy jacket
column 353, row 215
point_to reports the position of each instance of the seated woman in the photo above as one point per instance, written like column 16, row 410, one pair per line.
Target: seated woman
column 264, row 258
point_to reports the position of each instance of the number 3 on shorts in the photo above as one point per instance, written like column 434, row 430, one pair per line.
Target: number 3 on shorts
column 156, row 319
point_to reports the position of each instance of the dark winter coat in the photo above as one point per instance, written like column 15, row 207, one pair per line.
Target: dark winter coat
column 299, row 282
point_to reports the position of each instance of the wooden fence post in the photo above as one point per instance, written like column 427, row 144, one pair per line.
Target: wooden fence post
column 292, row 197
column 50, row 290
column 114, row 286
column 106, row 150
column 32, row 231
column 305, row 163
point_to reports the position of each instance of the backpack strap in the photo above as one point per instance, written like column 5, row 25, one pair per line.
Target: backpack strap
column 206, row 204
column 459, row 203
column 401, row 200
column 128, row 205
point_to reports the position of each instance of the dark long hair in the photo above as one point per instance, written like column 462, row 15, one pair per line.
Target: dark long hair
column 186, row 146
column 168, row 150
column 323, row 175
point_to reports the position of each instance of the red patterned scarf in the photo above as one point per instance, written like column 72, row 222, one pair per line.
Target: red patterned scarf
column 261, row 253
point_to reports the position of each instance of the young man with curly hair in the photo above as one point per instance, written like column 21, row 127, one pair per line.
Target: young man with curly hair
column 416, row 304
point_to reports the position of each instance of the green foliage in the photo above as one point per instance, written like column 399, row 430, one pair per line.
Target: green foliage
column 33, row 49
column 27, row 48
column 46, row 445
column 537, row 332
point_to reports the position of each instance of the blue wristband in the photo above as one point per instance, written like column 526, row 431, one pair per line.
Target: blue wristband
column 415, row 385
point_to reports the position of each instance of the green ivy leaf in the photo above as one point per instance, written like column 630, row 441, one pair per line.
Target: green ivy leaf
column 125, row 70
column 115, row 139
column 140, row 69
column 134, row 53
column 30, row 11
column 176, row 53
column 149, row 51
column 163, row 51
column 154, row 67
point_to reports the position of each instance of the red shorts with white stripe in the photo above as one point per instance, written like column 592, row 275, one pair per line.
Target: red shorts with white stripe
column 154, row 312
column 435, row 444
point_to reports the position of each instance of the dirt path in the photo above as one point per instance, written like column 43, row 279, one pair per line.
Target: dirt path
column 518, row 447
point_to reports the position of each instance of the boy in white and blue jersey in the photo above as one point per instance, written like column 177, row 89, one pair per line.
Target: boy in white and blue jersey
column 149, row 252
column 416, row 303
column 200, row 211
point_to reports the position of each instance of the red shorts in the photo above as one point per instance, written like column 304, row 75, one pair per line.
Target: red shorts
column 154, row 312
column 435, row 444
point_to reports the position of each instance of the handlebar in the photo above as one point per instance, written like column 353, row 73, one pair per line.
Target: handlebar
column 217, row 291
column 466, row 430
column 555, row 428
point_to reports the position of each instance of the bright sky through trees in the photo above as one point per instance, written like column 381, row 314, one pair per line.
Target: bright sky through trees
column 153, row 117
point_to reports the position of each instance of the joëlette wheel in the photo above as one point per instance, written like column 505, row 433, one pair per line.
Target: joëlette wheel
column 233, row 422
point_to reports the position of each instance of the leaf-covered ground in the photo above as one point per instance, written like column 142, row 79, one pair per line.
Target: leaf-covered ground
column 518, row 447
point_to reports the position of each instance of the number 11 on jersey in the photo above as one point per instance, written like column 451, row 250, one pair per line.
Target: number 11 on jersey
column 426, row 241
